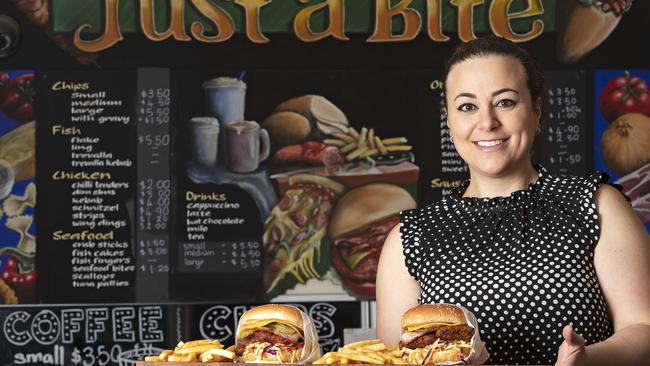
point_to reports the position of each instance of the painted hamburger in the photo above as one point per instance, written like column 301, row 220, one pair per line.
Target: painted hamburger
column 359, row 225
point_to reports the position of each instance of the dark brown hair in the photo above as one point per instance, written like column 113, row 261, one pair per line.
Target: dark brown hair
column 493, row 45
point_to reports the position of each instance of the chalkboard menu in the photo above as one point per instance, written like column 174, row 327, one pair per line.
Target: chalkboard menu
column 563, row 145
column 154, row 118
column 86, row 219
column 89, row 335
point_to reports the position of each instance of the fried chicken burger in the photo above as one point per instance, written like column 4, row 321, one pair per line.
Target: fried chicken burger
column 435, row 333
column 270, row 334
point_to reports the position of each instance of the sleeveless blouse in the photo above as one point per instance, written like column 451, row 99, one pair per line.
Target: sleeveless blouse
column 523, row 264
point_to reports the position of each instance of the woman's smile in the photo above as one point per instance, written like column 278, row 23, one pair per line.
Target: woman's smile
column 490, row 145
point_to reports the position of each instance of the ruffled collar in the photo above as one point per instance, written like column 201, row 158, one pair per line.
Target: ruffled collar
column 516, row 197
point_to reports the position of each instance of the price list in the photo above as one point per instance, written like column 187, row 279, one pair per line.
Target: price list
column 453, row 168
column 221, row 257
column 450, row 161
column 154, row 184
column 562, row 144
column 87, row 159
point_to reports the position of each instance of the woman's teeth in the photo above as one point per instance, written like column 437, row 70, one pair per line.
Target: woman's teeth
column 489, row 143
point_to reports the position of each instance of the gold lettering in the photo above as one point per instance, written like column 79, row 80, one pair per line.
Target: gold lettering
column 252, row 9
column 193, row 196
column 500, row 20
column 439, row 183
column 176, row 23
column 383, row 18
column 64, row 175
column 63, row 85
column 60, row 130
column 466, row 18
column 434, row 21
column 437, row 85
column 220, row 18
column 336, row 28
column 111, row 34
column 82, row 235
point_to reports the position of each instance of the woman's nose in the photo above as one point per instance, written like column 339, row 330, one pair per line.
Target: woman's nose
column 488, row 119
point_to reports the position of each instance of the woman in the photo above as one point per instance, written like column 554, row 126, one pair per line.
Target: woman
column 527, row 251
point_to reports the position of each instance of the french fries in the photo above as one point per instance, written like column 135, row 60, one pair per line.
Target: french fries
column 371, row 351
column 365, row 144
column 203, row 350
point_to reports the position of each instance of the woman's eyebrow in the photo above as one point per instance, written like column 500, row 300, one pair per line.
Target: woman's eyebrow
column 469, row 95
column 500, row 91
column 504, row 90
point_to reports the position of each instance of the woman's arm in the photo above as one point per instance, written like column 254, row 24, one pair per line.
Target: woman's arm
column 622, row 261
column 397, row 291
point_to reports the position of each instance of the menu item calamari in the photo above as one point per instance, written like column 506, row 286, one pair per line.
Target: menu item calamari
column 371, row 351
column 435, row 333
column 294, row 229
column 203, row 350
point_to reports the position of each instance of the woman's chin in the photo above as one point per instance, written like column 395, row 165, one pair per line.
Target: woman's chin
column 493, row 167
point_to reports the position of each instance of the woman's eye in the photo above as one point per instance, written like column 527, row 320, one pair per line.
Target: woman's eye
column 467, row 107
column 506, row 103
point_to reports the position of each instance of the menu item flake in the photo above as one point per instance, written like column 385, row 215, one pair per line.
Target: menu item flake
column 89, row 213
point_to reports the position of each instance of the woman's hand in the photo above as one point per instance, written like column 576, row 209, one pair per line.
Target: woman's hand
column 572, row 350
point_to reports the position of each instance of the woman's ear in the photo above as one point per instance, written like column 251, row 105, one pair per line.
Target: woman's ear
column 538, row 109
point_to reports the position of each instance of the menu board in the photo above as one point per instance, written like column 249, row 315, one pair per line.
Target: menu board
column 150, row 199
column 563, row 144
column 86, row 219
column 154, row 185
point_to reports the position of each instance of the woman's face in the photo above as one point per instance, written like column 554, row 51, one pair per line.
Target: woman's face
column 491, row 117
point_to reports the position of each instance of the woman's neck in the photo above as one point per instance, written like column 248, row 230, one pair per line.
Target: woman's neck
column 487, row 186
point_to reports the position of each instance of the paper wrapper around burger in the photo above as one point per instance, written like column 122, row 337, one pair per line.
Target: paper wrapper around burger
column 479, row 354
column 311, row 349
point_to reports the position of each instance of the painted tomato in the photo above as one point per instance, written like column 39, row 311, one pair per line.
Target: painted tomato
column 17, row 98
column 4, row 79
column 625, row 94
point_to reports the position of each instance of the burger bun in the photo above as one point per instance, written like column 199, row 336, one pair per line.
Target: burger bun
column 363, row 206
column 287, row 128
column 285, row 313
column 438, row 313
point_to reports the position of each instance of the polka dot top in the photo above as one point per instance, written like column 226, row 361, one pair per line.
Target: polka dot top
column 523, row 264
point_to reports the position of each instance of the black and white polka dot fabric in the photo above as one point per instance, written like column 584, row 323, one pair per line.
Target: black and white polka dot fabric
column 523, row 264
